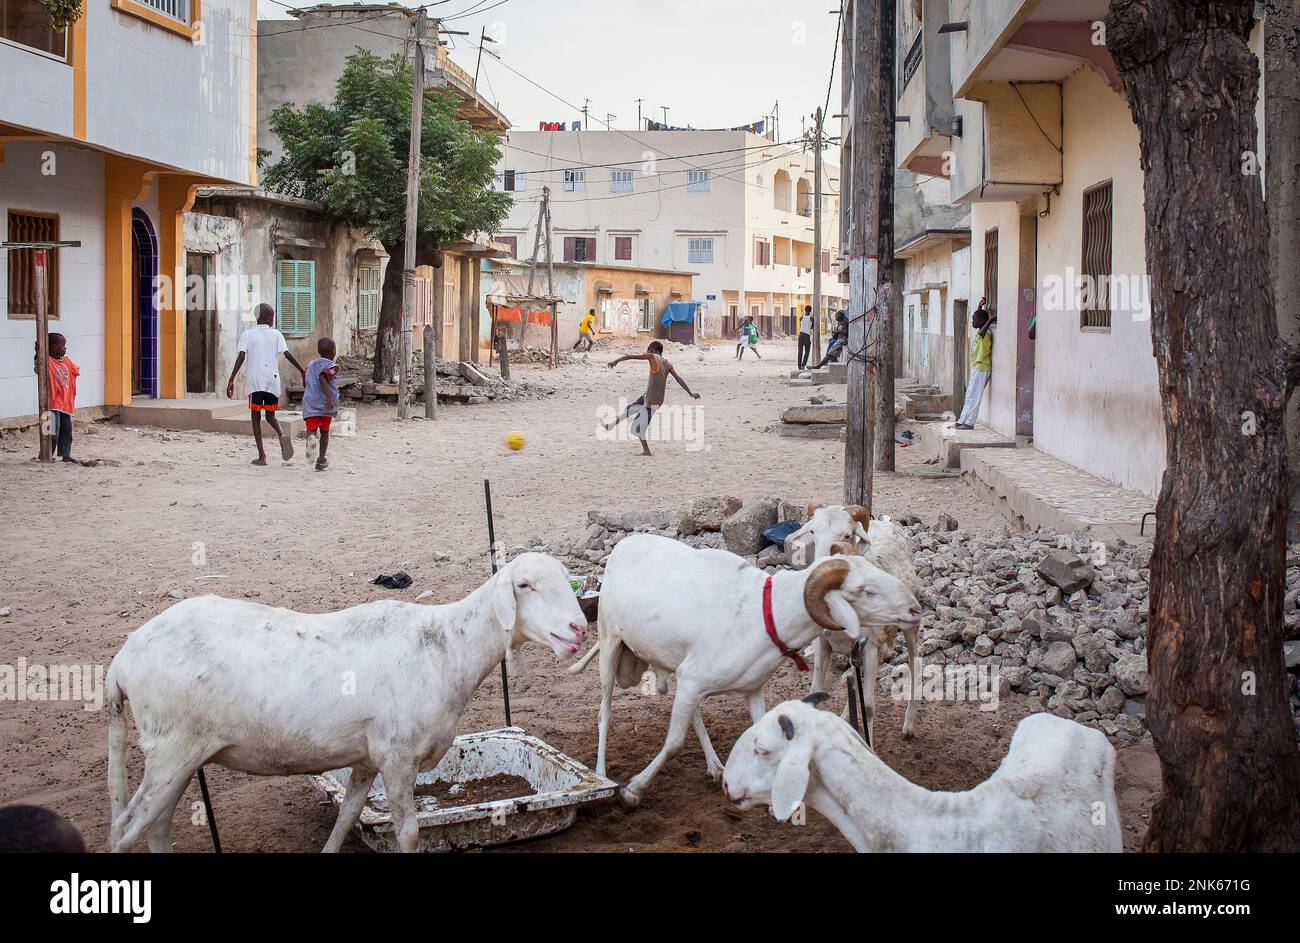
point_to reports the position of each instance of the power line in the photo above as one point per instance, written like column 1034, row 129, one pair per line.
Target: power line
column 638, row 160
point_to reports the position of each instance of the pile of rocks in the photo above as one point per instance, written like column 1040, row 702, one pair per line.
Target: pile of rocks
column 464, row 383
column 1063, row 617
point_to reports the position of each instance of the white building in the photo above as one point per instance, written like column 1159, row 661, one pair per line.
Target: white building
column 732, row 206
column 107, row 130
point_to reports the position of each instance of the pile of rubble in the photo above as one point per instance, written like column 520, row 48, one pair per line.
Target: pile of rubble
column 1062, row 617
column 458, row 382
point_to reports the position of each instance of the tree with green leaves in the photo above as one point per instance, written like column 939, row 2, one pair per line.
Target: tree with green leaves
column 350, row 156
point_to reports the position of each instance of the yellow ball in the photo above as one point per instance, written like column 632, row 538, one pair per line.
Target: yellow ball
column 515, row 441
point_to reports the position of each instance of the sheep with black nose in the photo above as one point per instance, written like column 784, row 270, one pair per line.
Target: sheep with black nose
column 1054, row 791
column 723, row 627
column 379, row 687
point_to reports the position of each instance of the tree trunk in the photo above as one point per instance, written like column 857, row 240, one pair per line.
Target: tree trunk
column 1282, row 191
column 388, row 339
column 1217, row 708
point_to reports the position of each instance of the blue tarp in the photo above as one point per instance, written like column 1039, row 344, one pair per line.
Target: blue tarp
column 680, row 311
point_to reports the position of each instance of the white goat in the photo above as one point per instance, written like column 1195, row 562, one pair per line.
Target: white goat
column 700, row 614
column 379, row 687
column 1054, row 791
column 840, row 529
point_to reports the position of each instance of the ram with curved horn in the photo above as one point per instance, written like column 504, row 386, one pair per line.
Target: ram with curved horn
column 723, row 627
column 849, row 529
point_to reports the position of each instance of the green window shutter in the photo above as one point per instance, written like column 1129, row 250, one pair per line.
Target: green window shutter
column 368, row 298
column 296, row 307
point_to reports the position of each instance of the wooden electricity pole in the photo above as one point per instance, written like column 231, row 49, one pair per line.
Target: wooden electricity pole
column 885, row 246
column 412, row 210
column 550, row 281
column 431, row 340
column 863, row 261
column 816, row 354
column 43, row 418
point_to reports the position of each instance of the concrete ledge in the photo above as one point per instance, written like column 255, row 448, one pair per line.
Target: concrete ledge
column 817, row 430
column 84, row 414
column 1038, row 490
column 940, row 440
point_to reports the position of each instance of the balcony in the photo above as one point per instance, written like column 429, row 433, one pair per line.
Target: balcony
column 473, row 107
column 1028, row 41
column 925, row 98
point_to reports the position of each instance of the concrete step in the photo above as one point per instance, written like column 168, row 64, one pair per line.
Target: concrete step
column 1041, row 490
column 179, row 414
column 290, row 422
column 820, row 430
column 941, row 440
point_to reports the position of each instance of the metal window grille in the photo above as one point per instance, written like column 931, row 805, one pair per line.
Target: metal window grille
column 32, row 227
column 1094, row 299
column 176, row 9
column 368, row 296
column 645, row 314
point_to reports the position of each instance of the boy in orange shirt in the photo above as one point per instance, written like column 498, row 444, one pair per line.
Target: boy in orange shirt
column 63, row 394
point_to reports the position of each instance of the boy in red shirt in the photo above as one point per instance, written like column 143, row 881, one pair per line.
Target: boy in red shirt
column 63, row 394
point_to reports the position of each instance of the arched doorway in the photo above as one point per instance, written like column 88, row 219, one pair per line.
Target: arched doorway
column 144, row 305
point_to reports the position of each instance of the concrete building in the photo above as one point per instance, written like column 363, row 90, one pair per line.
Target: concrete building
column 1022, row 113
column 629, row 300
column 300, row 61
column 107, row 130
column 731, row 205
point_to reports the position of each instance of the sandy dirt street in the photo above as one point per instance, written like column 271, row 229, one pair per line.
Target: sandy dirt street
column 90, row 553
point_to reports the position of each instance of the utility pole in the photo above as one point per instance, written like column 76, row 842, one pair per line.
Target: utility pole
column 412, row 210
column 608, row 119
column 885, row 290
column 585, row 103
column 483, row 38
column 665, row 108
column 817, row 241
column 639, row 125
column 863, row 260
column 550, row 282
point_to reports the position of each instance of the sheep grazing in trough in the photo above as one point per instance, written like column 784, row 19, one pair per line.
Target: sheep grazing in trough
column 1054, row 791
column 847, row 529
column 722, row 626
column 379, row 687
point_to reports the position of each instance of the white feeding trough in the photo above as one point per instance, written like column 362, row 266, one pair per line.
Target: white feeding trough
column 491, row 788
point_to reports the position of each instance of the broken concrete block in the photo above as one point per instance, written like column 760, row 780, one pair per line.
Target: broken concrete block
column 1066, row 571
column 792, row 430
column 708, row 514
column 827, row 413
column 743, row 531
column 473, row 374
column 946, row 522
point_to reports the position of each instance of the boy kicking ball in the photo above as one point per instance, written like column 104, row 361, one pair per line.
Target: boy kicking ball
column 641, row 410
column 320, row 400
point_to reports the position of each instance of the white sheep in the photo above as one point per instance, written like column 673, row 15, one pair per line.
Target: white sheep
column 850, row 529
column 700, row 614
column 379, row 687
column 1054, row 791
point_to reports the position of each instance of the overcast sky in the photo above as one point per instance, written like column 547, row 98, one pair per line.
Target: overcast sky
column 714, row 63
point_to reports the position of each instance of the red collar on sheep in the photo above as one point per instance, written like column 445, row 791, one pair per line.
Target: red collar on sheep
column 770, row 624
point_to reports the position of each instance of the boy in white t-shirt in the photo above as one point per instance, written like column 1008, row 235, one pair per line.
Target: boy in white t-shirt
column 262, row 345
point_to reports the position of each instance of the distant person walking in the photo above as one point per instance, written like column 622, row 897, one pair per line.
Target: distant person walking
column 261, row 346
column 742, row 338
column 805, row 336
column 586, row 327
column 981, row 366
column 643, row 408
